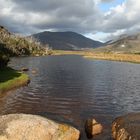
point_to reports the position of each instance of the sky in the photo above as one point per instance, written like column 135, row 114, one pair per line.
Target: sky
column 101, row 20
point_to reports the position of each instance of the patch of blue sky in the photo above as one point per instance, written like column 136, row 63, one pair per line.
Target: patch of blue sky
column 105, row 6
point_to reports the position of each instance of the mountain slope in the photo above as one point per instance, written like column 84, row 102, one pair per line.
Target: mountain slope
column 125, row 44
column 66, row 40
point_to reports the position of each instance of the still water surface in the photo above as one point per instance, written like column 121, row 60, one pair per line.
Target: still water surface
column 71, row 89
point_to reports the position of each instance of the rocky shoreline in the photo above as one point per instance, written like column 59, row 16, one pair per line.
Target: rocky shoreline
column 35, row 127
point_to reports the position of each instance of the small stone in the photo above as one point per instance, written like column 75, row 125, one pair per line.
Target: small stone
column 92, row 127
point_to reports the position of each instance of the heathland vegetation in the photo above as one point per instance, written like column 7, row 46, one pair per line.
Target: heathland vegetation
column 15, row 45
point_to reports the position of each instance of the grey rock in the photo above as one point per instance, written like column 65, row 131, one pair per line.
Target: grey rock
column 33, row 127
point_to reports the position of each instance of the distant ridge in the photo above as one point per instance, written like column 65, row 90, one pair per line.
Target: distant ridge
column 66, row 40
column 124, row 44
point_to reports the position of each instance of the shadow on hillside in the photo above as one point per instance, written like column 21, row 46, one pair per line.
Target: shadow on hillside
column 8, row 74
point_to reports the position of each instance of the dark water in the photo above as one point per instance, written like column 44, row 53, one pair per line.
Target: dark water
column 71, row 89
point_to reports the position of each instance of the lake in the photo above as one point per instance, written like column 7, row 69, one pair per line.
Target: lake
column 72, row 89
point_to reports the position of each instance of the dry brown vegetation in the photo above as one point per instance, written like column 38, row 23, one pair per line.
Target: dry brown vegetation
column 63, row 52
column 135, row 58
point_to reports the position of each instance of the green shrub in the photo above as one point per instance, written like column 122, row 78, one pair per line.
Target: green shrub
column 3, row 61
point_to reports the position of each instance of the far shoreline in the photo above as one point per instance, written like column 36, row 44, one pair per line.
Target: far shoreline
column 119, row 57
column 131, row 58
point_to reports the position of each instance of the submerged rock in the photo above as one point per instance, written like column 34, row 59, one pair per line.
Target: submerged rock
column 34, row 71
column 33, row 127
column 92, row 127
column 24, row 69
column 126, row 127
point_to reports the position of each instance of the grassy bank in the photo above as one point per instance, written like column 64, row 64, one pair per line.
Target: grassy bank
column 134, row 58
column 10, row 79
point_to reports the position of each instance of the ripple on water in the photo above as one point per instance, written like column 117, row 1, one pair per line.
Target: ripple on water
column 71, row 89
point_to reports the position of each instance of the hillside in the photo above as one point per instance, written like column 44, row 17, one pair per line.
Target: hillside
column 66, row 40
column 15, row 45
column 124, row 44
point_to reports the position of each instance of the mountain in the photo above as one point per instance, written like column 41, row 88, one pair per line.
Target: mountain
column 124, row 44
column 66, row 40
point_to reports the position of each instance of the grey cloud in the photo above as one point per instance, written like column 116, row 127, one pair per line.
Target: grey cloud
column 53, row 5
column 58, row 15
